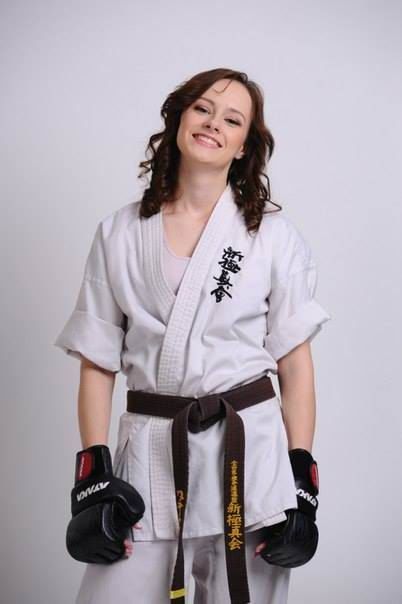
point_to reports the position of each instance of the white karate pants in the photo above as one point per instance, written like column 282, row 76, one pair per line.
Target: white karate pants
column 145, row 577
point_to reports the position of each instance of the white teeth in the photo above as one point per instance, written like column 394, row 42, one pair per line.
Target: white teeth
column 207, row 139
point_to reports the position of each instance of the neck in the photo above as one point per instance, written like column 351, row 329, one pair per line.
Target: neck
column 197, row 195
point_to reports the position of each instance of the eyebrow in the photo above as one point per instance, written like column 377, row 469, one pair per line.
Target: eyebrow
column 230, row 108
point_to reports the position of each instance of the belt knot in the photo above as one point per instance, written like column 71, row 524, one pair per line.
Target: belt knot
column 204, row 412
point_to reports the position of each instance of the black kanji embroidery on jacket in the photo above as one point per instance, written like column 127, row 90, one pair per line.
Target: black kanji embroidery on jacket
column 229, row 265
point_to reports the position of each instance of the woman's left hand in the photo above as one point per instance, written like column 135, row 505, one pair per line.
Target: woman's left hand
column 260, row 547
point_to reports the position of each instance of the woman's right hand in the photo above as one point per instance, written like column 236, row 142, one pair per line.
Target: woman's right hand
column 129, row 544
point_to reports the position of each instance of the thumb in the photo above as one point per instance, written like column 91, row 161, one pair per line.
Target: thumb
column 260, row 547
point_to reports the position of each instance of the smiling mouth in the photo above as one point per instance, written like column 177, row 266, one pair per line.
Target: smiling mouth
column 206, row 141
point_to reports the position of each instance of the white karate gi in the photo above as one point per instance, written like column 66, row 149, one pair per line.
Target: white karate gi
column 244, row 302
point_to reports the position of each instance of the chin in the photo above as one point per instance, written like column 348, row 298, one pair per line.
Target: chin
column 201, row 156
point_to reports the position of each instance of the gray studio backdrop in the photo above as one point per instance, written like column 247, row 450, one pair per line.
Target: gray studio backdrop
column 82, row 84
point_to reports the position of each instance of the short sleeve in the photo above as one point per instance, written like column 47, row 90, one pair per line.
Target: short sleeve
column 294, row 315
column 95, row 329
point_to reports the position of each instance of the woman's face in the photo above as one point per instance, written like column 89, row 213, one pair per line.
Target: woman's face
column 222, row 112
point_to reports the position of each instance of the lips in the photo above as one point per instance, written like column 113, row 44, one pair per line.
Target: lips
column 207, row 138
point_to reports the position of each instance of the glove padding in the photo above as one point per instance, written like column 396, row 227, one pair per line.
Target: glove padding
column 104, row 508
column 294, row 542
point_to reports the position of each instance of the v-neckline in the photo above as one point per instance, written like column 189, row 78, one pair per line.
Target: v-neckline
column 162, row 237
column 166, row 301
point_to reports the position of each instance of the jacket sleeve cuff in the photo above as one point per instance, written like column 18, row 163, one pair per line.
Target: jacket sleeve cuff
column 303, row 325
column 97, row 340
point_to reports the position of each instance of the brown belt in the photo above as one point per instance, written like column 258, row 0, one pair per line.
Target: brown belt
column 197, row 414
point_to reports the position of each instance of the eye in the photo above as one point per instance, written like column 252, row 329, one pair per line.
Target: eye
column 204, row 110
column 234, row 122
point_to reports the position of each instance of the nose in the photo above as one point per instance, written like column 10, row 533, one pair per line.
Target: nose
column 213, row 127
column 211, row 123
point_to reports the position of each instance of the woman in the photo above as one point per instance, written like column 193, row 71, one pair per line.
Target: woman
column 197, row 292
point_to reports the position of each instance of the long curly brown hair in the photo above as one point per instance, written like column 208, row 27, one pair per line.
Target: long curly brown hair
column 245, row 175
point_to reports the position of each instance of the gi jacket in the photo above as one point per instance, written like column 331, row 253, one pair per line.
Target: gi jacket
column 245, row 300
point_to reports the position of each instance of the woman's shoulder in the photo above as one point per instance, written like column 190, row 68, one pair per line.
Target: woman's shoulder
column 287, row 239
column 122, row 218
column 279, row 221
column 279, row 225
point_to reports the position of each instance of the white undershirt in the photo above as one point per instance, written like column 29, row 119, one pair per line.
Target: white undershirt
column 173, row 266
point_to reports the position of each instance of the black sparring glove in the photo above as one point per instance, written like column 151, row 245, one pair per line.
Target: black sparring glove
column 104, row 509
column 294, row 542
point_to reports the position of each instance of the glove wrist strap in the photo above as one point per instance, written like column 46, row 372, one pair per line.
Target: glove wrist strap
column 93, row 462
column 305, row 471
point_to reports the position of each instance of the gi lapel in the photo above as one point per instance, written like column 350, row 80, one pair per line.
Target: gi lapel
column 177, row 312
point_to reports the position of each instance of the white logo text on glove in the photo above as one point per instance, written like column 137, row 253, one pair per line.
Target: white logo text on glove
column 99, row 486
column 307, row 496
